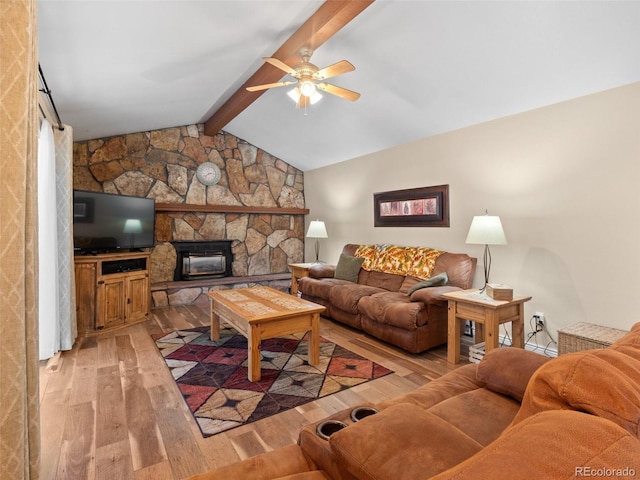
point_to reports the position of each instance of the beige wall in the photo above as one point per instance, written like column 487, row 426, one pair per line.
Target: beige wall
column 565, row 180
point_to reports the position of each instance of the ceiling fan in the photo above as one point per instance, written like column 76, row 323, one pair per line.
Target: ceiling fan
column 309, row 80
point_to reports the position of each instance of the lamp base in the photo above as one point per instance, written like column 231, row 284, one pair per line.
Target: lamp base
column 317, row 250
column 487, row 267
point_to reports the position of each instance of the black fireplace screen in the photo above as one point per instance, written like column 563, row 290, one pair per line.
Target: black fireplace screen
column 203, row 265
column 196, row 260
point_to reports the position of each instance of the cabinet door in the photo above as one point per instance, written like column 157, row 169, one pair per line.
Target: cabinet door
column 112, row 295
column 85, row 297
column 137, row 297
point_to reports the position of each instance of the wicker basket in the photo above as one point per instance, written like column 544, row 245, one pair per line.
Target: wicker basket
column 476, row 352
column 586, row 336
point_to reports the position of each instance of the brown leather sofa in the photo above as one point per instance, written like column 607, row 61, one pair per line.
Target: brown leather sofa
column 379, row 305
column 516, row 414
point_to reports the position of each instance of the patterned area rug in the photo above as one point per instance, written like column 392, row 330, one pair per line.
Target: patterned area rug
column 212, row 375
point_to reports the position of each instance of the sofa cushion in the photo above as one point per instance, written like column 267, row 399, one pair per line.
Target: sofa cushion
column 388, row 281
column 319, row 288
column 393, row 308
column 554, row 444
column 602, row 382
column 460, row 380
column 407, row 283
column 435, row 281
column 347, row 299
column 508, row 370
column 348, row 268
column 485, row 404
column 402, row 442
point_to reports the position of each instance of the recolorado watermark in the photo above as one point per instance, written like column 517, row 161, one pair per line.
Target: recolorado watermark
column 605, row 472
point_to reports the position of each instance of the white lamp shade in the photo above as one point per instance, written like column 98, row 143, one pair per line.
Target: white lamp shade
column 317, row 230
column 486, row 230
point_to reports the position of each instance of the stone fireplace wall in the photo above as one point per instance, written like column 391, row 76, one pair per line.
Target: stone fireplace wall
column 161, row 164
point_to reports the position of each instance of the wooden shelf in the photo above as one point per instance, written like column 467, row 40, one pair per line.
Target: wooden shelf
column 187, row 207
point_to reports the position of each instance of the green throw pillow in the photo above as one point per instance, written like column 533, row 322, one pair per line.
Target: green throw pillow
column 435, row 281
column 348, row 268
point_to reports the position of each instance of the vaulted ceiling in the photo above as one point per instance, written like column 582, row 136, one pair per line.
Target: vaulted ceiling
column 422, row 67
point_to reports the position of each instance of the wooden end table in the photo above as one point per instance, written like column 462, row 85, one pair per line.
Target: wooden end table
column 298, row 271
column 263, row 312
column 488, row 314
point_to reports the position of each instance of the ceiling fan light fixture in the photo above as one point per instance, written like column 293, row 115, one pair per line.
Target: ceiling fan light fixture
column 294, row 94
column 315, row 98
column 307, row 88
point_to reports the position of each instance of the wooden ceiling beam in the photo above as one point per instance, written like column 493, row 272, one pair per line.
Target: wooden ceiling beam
column 320, row 27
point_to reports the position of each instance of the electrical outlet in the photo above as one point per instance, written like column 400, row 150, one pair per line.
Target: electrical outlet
column 539, row 319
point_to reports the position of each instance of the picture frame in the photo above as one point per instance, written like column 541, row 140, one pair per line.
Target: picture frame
column 414, row 207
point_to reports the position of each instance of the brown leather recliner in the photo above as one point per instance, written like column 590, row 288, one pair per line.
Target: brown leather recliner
column 516, row 414
column 379, row 304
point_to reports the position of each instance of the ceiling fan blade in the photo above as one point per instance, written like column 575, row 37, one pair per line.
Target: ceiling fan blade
column 281, row 65
column 257, row 88
column 339, row 91
column 332, row 70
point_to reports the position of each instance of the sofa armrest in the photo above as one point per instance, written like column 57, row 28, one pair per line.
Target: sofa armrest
column 322, row 270
column 432, row 294
column 508, row 370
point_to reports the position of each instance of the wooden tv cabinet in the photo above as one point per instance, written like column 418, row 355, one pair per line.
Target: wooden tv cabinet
column 112, row 290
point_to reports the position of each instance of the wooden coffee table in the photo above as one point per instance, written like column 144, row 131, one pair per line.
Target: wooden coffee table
column 262, row 312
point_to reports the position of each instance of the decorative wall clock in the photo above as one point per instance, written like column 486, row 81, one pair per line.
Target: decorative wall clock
column 208, row 173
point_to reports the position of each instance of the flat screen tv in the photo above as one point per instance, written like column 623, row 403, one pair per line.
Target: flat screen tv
column 104, row 222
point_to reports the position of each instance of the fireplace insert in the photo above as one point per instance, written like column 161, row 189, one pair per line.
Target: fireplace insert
column 200, row 260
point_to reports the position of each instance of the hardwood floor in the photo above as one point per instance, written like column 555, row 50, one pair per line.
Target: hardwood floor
column 111, row 410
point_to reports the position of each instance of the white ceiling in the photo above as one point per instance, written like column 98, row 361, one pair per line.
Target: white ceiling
column 422, row 67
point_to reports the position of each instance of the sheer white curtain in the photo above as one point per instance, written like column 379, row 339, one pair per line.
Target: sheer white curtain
column 47, row 244
column 56, row 286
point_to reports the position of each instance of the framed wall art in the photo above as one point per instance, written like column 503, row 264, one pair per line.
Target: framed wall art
column 414, row 207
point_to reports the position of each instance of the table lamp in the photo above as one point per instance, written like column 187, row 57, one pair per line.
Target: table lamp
column 317, row 230
column 486, row 230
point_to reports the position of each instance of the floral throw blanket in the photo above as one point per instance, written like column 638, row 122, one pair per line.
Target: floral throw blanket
column 414, row 261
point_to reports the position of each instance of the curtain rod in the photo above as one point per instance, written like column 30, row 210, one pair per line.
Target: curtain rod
column 47, row 92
